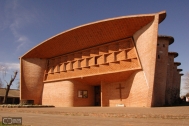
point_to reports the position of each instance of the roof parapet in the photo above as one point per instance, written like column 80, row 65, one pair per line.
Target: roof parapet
column 170, row 38
column 173, row 53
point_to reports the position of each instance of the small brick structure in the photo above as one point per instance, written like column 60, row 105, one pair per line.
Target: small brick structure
column 84, row 66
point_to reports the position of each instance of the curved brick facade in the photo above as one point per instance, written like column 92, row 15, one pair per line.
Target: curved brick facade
column 32, row 73
column 59, row 93
column 114, row 62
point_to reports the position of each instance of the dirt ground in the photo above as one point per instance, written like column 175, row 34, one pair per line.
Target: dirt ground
column 100, row 116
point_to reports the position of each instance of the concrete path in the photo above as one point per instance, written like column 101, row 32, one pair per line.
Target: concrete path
column 97, row 116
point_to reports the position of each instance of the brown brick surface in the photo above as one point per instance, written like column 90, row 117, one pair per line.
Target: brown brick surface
column 32, row 73
column 110, row 53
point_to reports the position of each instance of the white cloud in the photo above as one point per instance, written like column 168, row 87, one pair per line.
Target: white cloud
column 16, row 17
column 11, row 66
column 21, row 39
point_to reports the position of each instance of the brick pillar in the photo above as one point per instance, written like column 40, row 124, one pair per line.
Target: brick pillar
column 176, row 83
column 161, row 70
column 169, row 82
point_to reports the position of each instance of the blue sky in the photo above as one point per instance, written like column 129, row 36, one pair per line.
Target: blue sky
column 26, row 23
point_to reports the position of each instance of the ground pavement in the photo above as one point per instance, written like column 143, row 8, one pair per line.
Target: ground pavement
column 100, row 116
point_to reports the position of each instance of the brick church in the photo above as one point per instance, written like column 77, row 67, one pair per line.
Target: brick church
column 119, row 61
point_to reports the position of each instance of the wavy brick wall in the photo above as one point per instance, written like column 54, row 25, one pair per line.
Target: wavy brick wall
column 32, row 72
column 65, row 94
column 59, row 94
column 146, row 43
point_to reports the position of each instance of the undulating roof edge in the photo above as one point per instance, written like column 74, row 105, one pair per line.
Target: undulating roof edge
column 161, row 14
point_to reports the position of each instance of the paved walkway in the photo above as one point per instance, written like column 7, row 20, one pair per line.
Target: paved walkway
column 97, row 116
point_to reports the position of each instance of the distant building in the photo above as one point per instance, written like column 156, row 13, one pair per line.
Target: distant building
column 187, row 97
column 114, row 62
column 13, row 96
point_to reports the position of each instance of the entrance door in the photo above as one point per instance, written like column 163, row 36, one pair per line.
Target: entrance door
column 97, row 92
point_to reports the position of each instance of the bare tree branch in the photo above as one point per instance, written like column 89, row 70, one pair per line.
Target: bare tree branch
column 186, row 81
column 3, row 70
column 8, row 87
column 18, row 85
column 1, row 83
column 6, row 82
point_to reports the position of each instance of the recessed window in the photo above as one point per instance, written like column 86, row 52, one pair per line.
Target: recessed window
column 87, row 62
column 96, row 60
column 79, row 63
column 115, row 57
column 71, row 65
column 158, row 56
column 105, row 58
column 83, row 94
column 64, row 66
column 58, row 68
column 52, row 69
column 47, row 63
column 49, row 70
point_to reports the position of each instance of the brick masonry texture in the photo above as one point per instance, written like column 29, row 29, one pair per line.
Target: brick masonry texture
column 118, row 62
column 32, row 73
column 161, row 71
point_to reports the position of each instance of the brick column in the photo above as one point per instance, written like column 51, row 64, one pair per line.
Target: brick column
column 161, row 70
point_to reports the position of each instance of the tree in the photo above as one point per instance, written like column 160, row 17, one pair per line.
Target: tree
column 18, row 85
column 186, row 81
column 8, row 87
column 3, row 70
column 1, row 83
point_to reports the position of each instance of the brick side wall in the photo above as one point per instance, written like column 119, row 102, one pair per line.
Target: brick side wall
column 134, row 94
column 32, row 72
column 146, row 43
